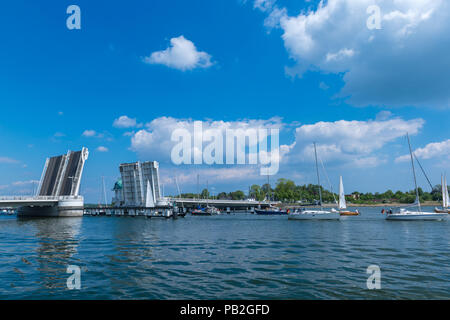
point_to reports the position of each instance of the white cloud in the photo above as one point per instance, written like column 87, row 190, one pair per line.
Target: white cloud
column 274, row 18
column 399, row 65
column 353, row 143
column 89, row 133
column 323, row 86
column 25, row 183
column 349, row 142
column 8, row 160
column 431, row 150
column 263, row 5
column 125, row 122
column 155, row 139
column 182, row 55
column 102, row 149
column 383, row 115
column 94, row 134
column 129, row 134
column 341, row 54
column 211, row 174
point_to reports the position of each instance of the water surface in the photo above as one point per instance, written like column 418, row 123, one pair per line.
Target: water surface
column 240, row 256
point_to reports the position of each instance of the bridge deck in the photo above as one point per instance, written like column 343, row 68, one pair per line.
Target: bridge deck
column 12, row 202
column 223, row 203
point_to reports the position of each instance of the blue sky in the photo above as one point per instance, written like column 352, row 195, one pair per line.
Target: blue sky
column 316, row 69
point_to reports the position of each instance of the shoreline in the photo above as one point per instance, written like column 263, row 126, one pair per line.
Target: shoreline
column 388, row 205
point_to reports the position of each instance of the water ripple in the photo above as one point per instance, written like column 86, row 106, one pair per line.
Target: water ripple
column 225, row 257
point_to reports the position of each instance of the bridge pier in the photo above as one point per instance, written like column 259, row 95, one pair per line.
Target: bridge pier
column 67, row 207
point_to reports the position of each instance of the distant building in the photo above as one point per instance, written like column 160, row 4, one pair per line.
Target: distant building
column 354, row 196
column 139, row 184
column 118, row 199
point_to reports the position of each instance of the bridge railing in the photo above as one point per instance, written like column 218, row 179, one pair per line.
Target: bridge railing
column 39, row 198
column 220, row 201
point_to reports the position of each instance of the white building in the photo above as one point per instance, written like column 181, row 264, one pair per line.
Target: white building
column 140, row 184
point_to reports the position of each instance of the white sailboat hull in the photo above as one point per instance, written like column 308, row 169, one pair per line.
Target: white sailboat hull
column 416, row 215
column 443, row 210
column 314, row 215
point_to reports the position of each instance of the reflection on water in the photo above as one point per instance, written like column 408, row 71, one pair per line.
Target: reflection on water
column 40, row 249
column 238, row 256
column 57, row 243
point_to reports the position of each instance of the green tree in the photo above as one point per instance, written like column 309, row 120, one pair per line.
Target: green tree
column 268, row 191
column 204, row 194
column 286, row 191
column 237, row 195
column 222, row 196
column 257, row 192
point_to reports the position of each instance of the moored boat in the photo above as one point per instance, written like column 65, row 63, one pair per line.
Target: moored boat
column 350, row 213
column 271, row 211
column 208, row 211
column 343, row 204
column 200, row 212
column 315, row 214
column 409, row 215
column 445, row 197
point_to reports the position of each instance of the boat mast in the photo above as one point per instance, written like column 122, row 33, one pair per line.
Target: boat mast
column 318, row 177
column 104, row 191
column 446, row 192
column 414, row 173
column 443, row 191
column 342, row 203
column 179, row 192
column 198, row 191
column 444, row 188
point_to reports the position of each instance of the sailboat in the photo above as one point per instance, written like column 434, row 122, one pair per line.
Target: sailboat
column 183, row 211
column 206, row 211
column 445, row 198
column 342, row 203
column 404, row 213
column 210, row 209
column 312, row 214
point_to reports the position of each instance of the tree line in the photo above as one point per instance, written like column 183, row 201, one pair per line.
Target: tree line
column 287, row 191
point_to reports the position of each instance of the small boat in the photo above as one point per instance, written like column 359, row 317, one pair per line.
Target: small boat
column 199, row 212
column 445, row 197
column 212, row 210
column 315, row 214
column 342, row 203
column 303, row 214
column 408, row 215
column 181, row 214
column 271, row 211
column 208, row 211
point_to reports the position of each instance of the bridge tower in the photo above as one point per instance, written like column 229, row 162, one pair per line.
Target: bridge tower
column 59, row 184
